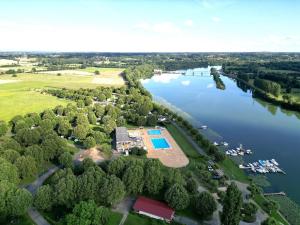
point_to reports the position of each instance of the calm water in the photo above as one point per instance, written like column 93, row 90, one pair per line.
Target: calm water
column 237, row 118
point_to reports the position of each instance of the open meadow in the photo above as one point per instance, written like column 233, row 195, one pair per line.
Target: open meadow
column 19, row 95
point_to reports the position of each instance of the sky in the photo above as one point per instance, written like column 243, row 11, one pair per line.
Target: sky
column 150, row 25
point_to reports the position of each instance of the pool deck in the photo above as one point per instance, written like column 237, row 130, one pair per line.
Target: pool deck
column 171, row 157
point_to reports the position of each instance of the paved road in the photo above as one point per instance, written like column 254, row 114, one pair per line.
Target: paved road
column 40, row 180
column 124, row 207
column 37, row 217
column 190, row 139
column 33, row 187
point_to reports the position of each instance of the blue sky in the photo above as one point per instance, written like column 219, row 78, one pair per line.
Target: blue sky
column 150, row 26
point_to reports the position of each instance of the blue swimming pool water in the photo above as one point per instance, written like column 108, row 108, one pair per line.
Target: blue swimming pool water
column 160, row 143
column 154, row 132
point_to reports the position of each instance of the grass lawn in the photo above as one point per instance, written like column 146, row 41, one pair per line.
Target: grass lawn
column 260, row 200
column 135, row 219
column 233, row 171
column 114, row 218
column 184, row 144
column 102, row 70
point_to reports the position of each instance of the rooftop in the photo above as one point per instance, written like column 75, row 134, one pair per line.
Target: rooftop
column 122, row 134
column 153, row 207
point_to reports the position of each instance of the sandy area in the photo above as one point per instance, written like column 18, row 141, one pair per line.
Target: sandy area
column 92, row 153
column 8, row 81
column 172, row 157
column 68, row 72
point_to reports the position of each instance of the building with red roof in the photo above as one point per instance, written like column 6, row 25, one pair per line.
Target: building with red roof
column 153, row 208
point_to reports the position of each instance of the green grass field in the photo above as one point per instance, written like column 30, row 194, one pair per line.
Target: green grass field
column 184, row 144
column 102, row 70
column 135, row 219
column 233, row 172
column 21, row 97
column 114, row 218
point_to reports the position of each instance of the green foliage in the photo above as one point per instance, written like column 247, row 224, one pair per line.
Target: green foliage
column 89, row 142
column 112, row 191
column 205, row 205
column 232, row 205
column 27, row 167
column 8, row 172
column 13, row 200
column 133, row 179
column 154, row 177
column 3, row 128
column 88, row 213
column 116, row 167
column 177, row 197
column 43, row 199
column 248, row 212
column 270, row 221
column 66, row 159
column 81, row 131
column 268, row 86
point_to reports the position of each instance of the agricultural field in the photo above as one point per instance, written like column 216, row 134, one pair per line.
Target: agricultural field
column 19, row 95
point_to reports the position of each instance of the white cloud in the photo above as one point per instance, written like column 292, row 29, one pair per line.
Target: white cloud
column 185, row 82
column 210, row 86
column 189, row 23
column 165, row 78
column 216, row 19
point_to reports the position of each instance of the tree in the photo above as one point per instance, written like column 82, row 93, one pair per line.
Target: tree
column 133, row 179
column 28, row 137
column 36, row 152
column 152, row 120
column 154, row 177
column 249, row 212
column 87, row 213
column 97, row 72
column 112, row 191
column 116, row 167
column 81, row 131
column 53, row 146
column 109, row 126
column 27, row 167
column 205, row 205
column 13, row 200
column 3, row 128
column 92, row 118
column 66, row 160
column 177, row 197
column 232, row 205
column 270, row 206
column 44, row 198
column 10, row 155
column 99, row 136
column 64, row 127
column 8, row 172
column 65, row 188
column 88, row 183
column 89, row 142
column 192, row 186
column 173, row 176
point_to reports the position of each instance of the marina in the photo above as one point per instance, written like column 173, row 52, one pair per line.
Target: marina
column 263, row 167
column 239, row 151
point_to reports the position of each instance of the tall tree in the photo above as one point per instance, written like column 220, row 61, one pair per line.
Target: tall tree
column 232, row 205
column 87, row 213
column 205, row 205
column 112, row 191
column 43, row 199
column 177, row 197
column 133, row 179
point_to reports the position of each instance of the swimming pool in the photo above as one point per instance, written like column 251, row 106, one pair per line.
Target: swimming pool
column 154, row 132
column 160, row 143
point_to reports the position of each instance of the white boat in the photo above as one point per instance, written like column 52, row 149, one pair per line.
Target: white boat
column 216, row 143
column 204, row 127
column 274, row 162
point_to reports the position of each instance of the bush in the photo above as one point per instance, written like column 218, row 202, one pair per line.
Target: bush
column 138, row 151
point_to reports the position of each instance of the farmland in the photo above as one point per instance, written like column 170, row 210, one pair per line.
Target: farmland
column 19, row 95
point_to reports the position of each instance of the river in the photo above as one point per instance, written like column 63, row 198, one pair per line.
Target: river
column 234, row 116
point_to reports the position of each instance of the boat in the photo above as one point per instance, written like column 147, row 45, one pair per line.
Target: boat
column 274, row 162
column 203, row 127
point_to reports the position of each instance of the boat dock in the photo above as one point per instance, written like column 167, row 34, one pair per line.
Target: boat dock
column 275, row 193
column 263, row 167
